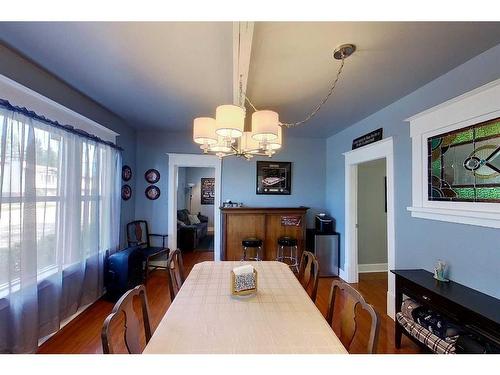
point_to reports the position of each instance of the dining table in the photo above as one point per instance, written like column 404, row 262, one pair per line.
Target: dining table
column 280, row 318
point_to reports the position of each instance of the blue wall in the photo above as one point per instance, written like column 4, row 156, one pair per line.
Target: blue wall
column 308, row 177
column 152, row 148
column 238, row 176
column 472, row 252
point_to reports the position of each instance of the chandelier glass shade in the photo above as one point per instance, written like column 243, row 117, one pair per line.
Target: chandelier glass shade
column 225, row 135
column 229, row 121
column 265, row 125
column 204, row 131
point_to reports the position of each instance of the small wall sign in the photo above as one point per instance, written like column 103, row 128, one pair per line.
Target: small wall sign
column 366, row 139
column 291, row 221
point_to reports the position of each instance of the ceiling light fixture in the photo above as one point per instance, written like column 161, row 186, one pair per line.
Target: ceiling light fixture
column 225, row 135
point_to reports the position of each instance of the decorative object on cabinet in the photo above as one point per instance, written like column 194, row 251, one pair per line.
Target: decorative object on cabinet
column 152, row 192
column 126, row 173
column 126, row 192
column 228, row 203
column 152, row 176
column 440, row 270
column 274, row 178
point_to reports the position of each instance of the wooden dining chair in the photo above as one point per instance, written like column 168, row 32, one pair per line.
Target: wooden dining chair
column 346, row 309
column 175, row 273
column 124, row 309
column 309, row 273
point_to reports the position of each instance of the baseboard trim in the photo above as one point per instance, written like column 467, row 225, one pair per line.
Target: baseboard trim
column 390, row 306
column 375, row 267
column 342, row 274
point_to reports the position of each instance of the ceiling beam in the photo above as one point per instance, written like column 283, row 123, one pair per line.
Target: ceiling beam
column 242, row 50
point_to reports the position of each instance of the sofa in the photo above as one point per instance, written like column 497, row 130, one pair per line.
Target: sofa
column 189, row 235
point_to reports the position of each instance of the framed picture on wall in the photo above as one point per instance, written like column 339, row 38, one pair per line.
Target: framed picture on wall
column 207, row 194
column 274, row 178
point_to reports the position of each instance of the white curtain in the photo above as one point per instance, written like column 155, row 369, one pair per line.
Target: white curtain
column 59, row 214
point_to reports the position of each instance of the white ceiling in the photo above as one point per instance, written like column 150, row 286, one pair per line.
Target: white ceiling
column 162, row 75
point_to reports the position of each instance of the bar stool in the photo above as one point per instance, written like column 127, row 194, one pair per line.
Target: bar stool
column 252, row 243
column 291, row 244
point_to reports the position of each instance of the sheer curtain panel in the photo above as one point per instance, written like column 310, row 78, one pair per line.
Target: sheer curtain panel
column 59, row 214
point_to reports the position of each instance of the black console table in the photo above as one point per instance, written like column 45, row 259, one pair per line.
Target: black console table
column 476, row 312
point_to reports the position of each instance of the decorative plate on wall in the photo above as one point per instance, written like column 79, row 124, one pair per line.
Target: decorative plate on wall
column 126, row 192
column 126, row 173
column 152, row 192
column 152, row 176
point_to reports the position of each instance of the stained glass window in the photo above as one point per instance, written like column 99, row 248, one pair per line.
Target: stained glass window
column 464, row 165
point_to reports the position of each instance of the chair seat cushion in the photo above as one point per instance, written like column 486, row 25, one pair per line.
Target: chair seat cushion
column 287, row 241
column 251, row 242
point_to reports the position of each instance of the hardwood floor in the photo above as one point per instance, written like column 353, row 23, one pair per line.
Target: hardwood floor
column 82, row 335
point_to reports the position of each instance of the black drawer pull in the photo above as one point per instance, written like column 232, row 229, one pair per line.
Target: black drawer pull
column 426, row 298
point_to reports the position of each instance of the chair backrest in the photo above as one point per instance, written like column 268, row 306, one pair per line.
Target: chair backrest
column 124, row 307
column 309, row 273
column 175, row 272
column 138, row 233
column 347, row 311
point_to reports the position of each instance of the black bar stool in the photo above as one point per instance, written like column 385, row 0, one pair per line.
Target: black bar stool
column 252, row 243
column 291, row 258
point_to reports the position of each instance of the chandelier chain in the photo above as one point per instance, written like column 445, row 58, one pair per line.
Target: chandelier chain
column 318, row 107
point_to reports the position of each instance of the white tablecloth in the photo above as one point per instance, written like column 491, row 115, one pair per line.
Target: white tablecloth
column 280, row 318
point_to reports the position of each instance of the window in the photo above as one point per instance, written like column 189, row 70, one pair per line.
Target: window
column 59, row 214
column 456, row 159
column 44, row 200
column 464, row 165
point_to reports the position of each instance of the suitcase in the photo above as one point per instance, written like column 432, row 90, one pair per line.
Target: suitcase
column 124, row 271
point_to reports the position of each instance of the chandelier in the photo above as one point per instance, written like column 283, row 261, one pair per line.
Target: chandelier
column 225, row 135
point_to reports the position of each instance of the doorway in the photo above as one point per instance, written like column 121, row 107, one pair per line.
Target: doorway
column 179, row 185
column 379, row 150
column 195, row 209
column 372, row 217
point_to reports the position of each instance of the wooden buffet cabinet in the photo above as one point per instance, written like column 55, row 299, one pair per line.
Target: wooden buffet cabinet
column 265, row 223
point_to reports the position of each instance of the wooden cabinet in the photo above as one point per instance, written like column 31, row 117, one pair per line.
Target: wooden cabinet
column 476, row 313
column 268, row 224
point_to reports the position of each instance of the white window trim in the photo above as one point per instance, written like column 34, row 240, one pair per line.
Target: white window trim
column 475, row 106
column 22, row 96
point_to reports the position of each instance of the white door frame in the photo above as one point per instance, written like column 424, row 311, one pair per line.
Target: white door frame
column 191, row 160
column 378, row 150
